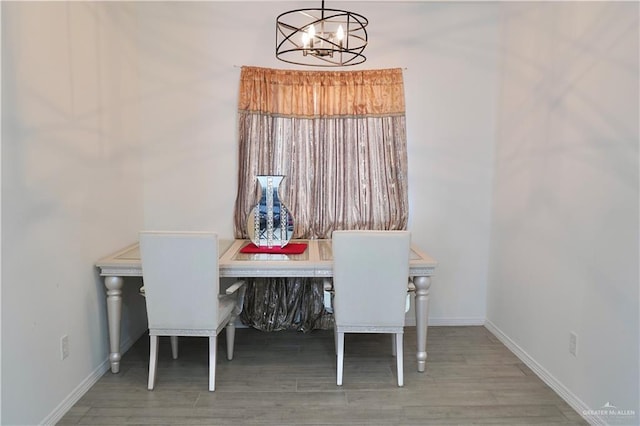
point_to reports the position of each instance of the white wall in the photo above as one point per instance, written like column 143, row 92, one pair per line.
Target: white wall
column 71, row 193
column 189, row 68
column 564, row 252
column 450, row 51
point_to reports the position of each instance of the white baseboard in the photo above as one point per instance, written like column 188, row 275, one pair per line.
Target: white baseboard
column 59, row 412
column 410, row 320
column 456, row 321
column 569, row 397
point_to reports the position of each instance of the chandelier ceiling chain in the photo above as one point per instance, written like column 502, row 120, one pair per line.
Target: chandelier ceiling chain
column 321, row 37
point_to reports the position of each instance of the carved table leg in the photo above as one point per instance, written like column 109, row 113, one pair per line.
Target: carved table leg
column 114, row 313
column 422, row 285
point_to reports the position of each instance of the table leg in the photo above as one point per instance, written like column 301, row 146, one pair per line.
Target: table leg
column 114, row 314
column 422, row 285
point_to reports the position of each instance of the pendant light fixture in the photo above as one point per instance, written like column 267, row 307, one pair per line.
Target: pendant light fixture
column 321, row 37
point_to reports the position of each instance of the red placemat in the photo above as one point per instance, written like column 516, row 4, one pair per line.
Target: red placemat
column 291, row 248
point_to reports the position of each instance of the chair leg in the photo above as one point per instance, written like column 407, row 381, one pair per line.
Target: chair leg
column 213, row 343
column 153, row 361
column 340, row 349
column 174, row 346
column 399, row 358
column 231, row 335
column 335, row 339
column 393, row 344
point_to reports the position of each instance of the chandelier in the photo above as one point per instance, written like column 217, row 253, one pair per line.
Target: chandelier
column 321, row 37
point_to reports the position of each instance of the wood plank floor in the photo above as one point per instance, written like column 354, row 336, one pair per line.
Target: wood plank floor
column 288, row 378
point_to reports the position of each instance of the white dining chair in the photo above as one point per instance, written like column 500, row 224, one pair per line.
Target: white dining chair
column 370, row 275
column 181, row 288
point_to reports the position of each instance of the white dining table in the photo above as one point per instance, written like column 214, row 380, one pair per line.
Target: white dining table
column 315, row 261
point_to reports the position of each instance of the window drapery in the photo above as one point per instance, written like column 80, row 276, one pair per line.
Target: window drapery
column 340, row 140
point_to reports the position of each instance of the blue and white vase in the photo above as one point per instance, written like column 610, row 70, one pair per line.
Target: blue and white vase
column 270, row 224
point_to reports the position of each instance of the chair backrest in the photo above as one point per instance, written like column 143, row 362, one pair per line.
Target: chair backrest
column 181, row 279
column 370, row 275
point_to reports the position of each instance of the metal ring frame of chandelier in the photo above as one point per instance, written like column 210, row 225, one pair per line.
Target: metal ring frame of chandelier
column 323, row 49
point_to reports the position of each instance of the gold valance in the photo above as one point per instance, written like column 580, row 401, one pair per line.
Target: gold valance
column 322, row 93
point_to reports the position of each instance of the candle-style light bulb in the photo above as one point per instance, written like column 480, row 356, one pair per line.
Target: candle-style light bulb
column 340, row 33
column 305, row 40
column 312, row 34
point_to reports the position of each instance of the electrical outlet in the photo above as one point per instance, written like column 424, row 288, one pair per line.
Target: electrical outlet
column 573, row 343
column 64, row 347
